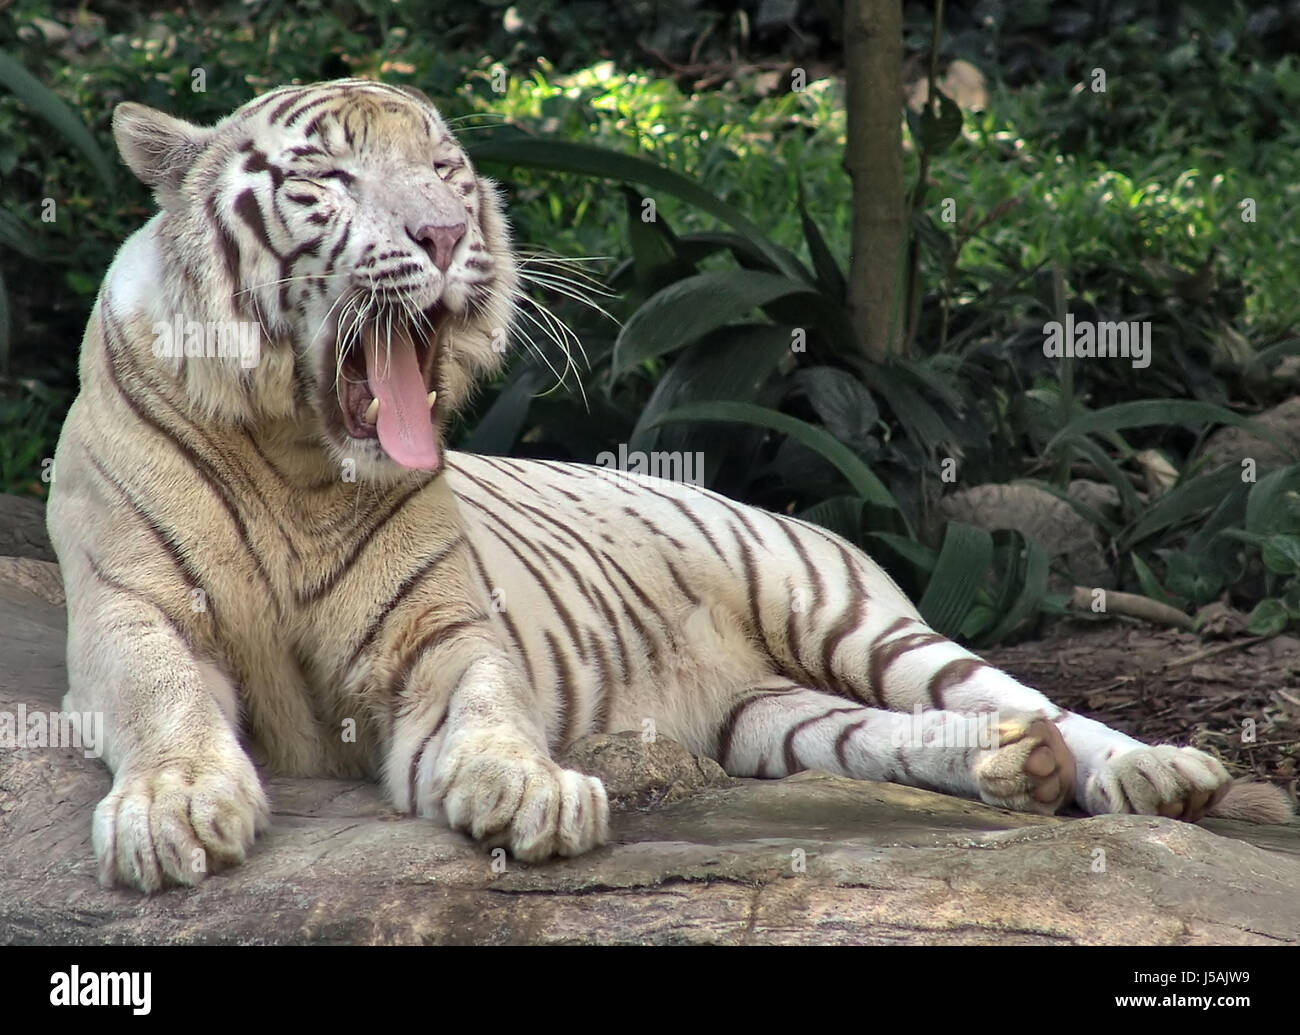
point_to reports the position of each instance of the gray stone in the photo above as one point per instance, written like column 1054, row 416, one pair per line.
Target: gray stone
column 640, row 773
column 807, row 860
column 22, row 528
column 1071, row 541
column 1229, row 445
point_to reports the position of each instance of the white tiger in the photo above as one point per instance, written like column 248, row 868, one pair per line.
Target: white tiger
column 270, row 558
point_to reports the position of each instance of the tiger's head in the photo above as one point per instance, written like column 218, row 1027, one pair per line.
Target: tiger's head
column 345, row 222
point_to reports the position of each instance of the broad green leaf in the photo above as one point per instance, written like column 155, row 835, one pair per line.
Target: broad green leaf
column 690, row 308
column 653, row 244
column 959, row 573
column 935, row 133
column 909, row 549
column 1281, row 554
column 46, row 104
column 1269, row 618
column 938, row 243
column 732, row 363
column 1190, row 578
column 842, row 402
column 703, row 243
column 829, row 274
column 498, row 430
column 1181, row 503
column 858, row 474
column 1030, row 592
column 1146, row 412
column 1274, row 502
column 1151, row 585
column 840, row 514
column 917, row 414
column 520, row 149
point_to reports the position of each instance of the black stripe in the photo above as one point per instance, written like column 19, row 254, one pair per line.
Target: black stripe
column 198, row 463
column 310, row 594
column 728, row 728
column 686, row 590
column 556, row 602
column 505, row 615
column 854, row 615
column 956, row 671
column 636, row 623
column 842, row 743
column 403, row 591
column 419, row 753
column 247, row 209
column 605, row 687
column 121, row 587
column 430, row 639
column 305, row 107
column 655, row 530
column 881, row 657
column 543, row 554
column 564, row 680
column 792, row 763
column 293, row 98
column 187, row 570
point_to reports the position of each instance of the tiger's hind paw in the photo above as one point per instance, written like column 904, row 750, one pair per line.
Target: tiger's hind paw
column 1030, row 770
column 1176, row 782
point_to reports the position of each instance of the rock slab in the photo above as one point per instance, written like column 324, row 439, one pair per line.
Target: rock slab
column 696, row 857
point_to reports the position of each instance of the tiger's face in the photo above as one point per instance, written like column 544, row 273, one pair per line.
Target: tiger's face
column 345, row 220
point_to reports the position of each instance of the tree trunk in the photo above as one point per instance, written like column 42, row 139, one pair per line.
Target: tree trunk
column 873, row 158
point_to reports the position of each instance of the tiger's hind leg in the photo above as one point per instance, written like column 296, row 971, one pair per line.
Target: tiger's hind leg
column 831, row 618
column 908, row 665
column 780, row 727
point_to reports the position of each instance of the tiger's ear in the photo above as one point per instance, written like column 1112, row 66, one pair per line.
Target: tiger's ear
column 159, row 149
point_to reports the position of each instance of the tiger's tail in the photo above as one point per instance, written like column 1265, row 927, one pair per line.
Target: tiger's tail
column 1254, row 803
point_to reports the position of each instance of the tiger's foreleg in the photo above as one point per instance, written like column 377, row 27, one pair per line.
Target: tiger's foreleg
column 185, row 797
column 468, row 748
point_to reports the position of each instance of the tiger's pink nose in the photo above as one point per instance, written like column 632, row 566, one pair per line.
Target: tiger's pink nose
column 440, row 242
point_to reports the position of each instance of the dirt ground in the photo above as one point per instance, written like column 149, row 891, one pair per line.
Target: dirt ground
column 1171, row 686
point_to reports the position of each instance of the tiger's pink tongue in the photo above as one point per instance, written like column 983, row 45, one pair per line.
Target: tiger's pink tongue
column 405, row 424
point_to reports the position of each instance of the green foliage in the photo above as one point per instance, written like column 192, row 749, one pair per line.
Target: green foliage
column 734, row 338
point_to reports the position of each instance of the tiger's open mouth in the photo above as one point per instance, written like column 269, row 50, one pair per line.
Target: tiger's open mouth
column 387, row 390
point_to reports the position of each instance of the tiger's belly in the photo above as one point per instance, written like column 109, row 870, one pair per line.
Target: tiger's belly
column 617, row 623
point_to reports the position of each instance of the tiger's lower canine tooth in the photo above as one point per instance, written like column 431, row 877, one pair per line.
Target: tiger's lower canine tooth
column 433, row 398
column 372, row 411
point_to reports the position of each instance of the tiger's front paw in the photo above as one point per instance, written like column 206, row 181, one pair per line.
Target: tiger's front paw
column 174, row 824
column 502, row 791
column 1178, row 782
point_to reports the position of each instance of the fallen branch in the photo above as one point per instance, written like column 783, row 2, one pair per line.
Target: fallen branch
column 1133, row 606
column 1209, row 652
